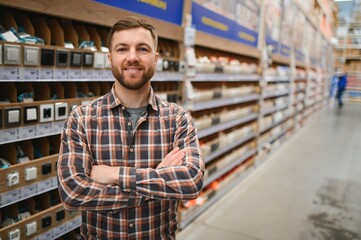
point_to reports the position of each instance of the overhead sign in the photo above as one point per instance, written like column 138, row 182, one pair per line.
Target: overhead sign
column 167, row 10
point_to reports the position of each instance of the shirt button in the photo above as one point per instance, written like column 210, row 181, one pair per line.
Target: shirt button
column 129, row 123
column 123, row 108
column 131, row 225
column 131, row 150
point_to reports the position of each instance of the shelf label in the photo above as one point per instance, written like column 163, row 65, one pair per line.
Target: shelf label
column 9, row 197
column 59, row 230
column 57, row 127
column 46, row 73
column 86, row 74
column 46, row 236
column 30, row 73
column 9, row 135
column 27, row 132
column 74, row 74
column 10, row 73
column 60, row 73
column 45, row 185
column 97, row 74
column 43, row 129
column 28, row 191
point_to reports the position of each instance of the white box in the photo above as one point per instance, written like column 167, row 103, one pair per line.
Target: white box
column 12, row 54
column 12, row 179
column 31, row 114
column 14, row 234
column 1, row 54
column 61, row 111
column 14, row 116
column 46, row 112
column 99, row 60
column 31, row 56
column 30, row 173
column 30, row 228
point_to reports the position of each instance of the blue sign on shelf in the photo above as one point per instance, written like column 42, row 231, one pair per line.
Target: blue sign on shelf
column 167, row 10
column 299, row 56
column 245, row 35
column 285, row 50
column 213, row 23
column 273, row 43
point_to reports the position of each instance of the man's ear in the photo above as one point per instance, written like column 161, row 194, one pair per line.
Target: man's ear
column 110, row 59
column 156, row 57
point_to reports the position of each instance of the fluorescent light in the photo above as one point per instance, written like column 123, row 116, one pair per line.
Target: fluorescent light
column 343, row 0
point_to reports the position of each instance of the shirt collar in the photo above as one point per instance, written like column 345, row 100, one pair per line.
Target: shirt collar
column 114, row 101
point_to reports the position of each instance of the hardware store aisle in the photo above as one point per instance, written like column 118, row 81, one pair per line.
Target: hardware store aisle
column 309, row 189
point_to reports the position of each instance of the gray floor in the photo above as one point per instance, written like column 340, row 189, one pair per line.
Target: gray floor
column 309, row 189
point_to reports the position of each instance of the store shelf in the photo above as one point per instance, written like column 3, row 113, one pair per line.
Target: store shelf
column 229, row 77
column 158, row 77
column 30, row 132
column 219, row 194
column 271, row 139
column 221, row 172
column 262, row 130
column 93, row 12
column 60, row 230
column 276, row 93
column 222, row 102
column 274, row 109
column 275, row 79
column 280, row 59
column 223, row 126
column 229, row 147
column 29, row 191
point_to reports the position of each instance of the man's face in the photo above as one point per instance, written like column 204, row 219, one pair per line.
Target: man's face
column 133, row 57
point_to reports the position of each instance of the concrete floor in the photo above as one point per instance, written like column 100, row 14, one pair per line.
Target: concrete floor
column 309, row 189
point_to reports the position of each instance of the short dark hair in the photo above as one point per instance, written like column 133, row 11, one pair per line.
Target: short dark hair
column 129, row 23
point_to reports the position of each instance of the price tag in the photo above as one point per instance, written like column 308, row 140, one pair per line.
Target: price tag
column 107, row 74
column 27, row 132
column 97, row 74
column 45, row 185
column 30, row 73
column 60, row 230
column 28, row 191
column 189, row 36
column 46, row 236
column 46, row 73
column 10, row 73
column 61, row 73
column 43, row 129
column 74, row 74
column 86, row 74
column 7, row 135
column 11, row 196
column 55, row 181
column 57, row 127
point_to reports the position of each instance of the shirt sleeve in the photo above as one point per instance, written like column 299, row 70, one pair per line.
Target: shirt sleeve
column 177, row 182
column 76, row 189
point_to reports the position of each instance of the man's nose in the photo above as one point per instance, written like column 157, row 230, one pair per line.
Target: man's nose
column 132, row 55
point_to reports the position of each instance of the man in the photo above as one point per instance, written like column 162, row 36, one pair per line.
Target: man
column 341, row 87
column 127, row 158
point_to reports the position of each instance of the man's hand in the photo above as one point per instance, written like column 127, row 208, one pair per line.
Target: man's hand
column 173, row 158
column 105, row 174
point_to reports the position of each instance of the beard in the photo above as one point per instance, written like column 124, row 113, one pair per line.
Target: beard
column 132, row 82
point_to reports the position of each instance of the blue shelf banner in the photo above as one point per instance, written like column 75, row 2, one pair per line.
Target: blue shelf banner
column 299, row 56
column 245, row 35
column 285, row 50
column 210, row 22
column 270, row 41
column 166, row 10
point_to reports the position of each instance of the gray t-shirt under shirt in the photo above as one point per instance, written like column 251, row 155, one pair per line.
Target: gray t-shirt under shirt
column 135, row 114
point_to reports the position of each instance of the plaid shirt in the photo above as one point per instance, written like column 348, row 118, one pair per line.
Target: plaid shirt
column 144, row 203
